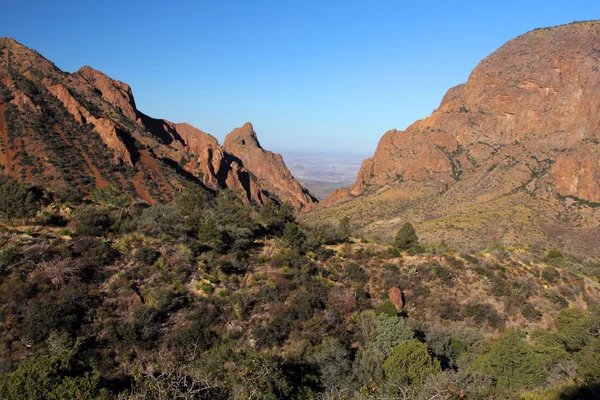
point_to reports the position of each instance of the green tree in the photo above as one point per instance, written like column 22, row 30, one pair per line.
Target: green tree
column 273, row 218
column 231, row 210
column 286, row 213
column 410, row 363
column 55, row 374
column 293, row 236
column 573, row 328
column 192, row 202
column 238, row 372
column 512, row 362
column 267, row 216
column 449, row 343
column 391, row 330
column 17, row 200
column 209, row 235
column 406, row 239
column 589, row 364
column 368, row 367
column 333, row 361
column 345, row 228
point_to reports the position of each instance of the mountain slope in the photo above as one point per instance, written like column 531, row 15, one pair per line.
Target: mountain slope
column 268, row 167
column 523, row 133
column 84, row 129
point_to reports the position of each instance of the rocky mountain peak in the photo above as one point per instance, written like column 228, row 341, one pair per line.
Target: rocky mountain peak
column 523, row 133
column 534, row 98
column 242, row 136
column 268, row 168
column 8, row 41
column 84, row 129
column 117, row 93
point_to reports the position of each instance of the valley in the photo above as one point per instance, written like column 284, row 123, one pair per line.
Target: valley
column 142, row 259
column 322, row 173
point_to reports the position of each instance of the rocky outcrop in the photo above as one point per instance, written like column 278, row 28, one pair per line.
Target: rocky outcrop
column 103, row 126
column 157, row 157
column 512, row 155
column 266, row 167
column 116, row 93
column 534, row 99
column 396, row 298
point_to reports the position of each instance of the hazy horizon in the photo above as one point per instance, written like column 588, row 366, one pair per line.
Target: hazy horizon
column 309, row 76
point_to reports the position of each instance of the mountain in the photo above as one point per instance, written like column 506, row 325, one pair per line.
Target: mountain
column 268, row 168
column 84, row 130
column 513, row 154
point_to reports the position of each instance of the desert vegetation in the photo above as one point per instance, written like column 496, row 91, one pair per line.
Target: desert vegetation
column 211, row 297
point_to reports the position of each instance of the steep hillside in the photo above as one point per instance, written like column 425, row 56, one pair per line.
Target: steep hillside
column 84, row 130
column 513, row 154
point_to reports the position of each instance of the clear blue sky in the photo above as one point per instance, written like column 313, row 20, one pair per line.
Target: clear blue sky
column 320, row 75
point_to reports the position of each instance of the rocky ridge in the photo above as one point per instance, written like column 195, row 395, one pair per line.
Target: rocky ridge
column 84, row 128
column 525, row 124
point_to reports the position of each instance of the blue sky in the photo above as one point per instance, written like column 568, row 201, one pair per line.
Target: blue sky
column 310, row 75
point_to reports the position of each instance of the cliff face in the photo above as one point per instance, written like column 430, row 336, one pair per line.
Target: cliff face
column 85, row 129
column 520, row 138
column 268, row 168
column 531, row 105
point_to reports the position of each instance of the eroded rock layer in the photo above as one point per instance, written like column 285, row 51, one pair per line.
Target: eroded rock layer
column 84, row 129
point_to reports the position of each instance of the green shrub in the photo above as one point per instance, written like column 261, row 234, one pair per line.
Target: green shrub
column 356, row 272
column 95, row 251
column 51, row 219
column 554, row 255
column 49, row 377
column 333, row 361
column 450, row 311
column 482, row 313
column 388, row 308
column 145, row 327
column 449, row 343
column 589, row 367
column 205, row 287
column 193, row 201
column 146, row 256
column 210, row 236
column 406, row 239
column 557, row 299
column 550, row 274
column 68, row 195
column 161, row 220
column 530, row 313
column 9, row 255
column 111, row 195
column 573, row 328
column 17, row 200
column 512, row 362
column 240, row 372
column 90, row 220
column 443, row 274
column 293, row 237
column 391, row 330
column 409, row 364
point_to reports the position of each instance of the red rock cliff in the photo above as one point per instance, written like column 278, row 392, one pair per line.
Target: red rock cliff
column 531, row 105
